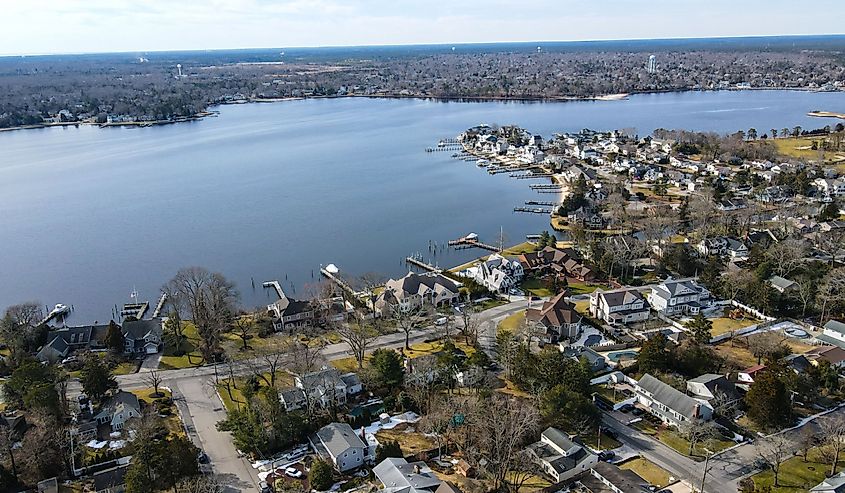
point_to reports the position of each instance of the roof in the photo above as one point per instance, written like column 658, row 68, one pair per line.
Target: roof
column 781, row 282
column 624, row 480
column 324, row 378
column 717, row 383
column 832, row 354
column 558, row 450
column 397, row 474
column 622, row 296
column 109, row 478
column 835, row 326
column 350, row 379
column 121, row 399
column 669, row 396
column 835, row 484
column 420, row 284
column 554, row 313
column 140, row 329
column 753, row 369
column 447, row 487
column 670, row 289
column 338, row 438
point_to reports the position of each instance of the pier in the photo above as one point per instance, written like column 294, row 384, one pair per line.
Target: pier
column 530, row 176
column 545, row 186
column 136, row 310
column 541, row 202
column 340, row 282
column 277, row 287
column 159, row 305
column 422, row 265
column 536, row 210
column 463, row 243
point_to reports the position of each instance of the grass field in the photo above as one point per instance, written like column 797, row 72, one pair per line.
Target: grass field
column 172, row 422
column 740, row 357
column 671, row 438
column 722, row 325
column 283, row 379
column 647, row 470
column 192, row 356
column 410, row 440
column 581, row 288
column 535, row 286
column 795, row 475
column 519, row 249
column 512, row 322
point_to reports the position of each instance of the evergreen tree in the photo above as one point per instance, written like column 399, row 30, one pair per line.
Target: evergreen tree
column 768, row 401
column 388, row 449
column 699, row 328
column 96, row 377
column 114, row 339
column 320, row 476
column 387, row 369
column 653, row 355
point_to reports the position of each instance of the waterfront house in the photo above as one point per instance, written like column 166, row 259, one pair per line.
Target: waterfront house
column 399, row 476
column 415, row 290
column 289, row 314
column 559, row 456
column 672, row 406
column 496, row 273
column 142, row 336
column 713, row 389
column 341, row 446
column 62, row 342
column 561, row 262
column 619, row 306
column 557, row 319
column 681, row 296
column 118, row 409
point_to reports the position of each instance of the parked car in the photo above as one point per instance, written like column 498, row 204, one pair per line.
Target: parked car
column 611, row 433
column 626, row 408
column 606, row 455
column 637, row 411
column 264, row 487
column 293, row 472
column 440, row 321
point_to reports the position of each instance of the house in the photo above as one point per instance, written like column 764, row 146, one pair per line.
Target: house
column 797, row 363
column 747, row 375
column 723, row 246
column 337, row 443
column 293, row 398
column 325, row 387
column 560, row 262
column 118, row 409
column 142, row 336
column 833, row 333
column 559, row 456
column 829, row 187
column 596, row 361
column 782, row 284
column 713, row 388
column 558, row 319
column 609, row 478
column 834, row 355
column 833, row 484
column 672, row 406
column 62, row 342
column 398, row 476
column 496, row 273
column 111, row 480
column 289, row 314
column 679, row 296
column 763, row 238
column 619, row 306
column 463, row 468
column 416, row 290
column 586, row 217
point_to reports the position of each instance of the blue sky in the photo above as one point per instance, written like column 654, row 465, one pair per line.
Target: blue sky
column 72, row 26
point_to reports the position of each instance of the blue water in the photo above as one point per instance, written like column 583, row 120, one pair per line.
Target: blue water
column 272, row 191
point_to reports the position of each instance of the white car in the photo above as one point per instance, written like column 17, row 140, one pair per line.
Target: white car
column 292, row 472
column 440, row 321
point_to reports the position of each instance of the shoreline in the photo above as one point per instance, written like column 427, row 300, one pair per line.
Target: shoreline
column 480, row 99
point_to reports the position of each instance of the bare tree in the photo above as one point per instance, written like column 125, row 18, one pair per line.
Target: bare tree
column 832, row 290
column 470, row 324
column 805, row 290
column 735, row 281
column 405, row 317
column 304, row 357
column 421, row 382
column 210, row 299
column 833, row 433
column 697, row 431
column 807, row 440
column 243, row 327
column 773, row 451
column 27, row 314
column 268, row 362
column 359, row 336
column 154, row 380
column 206, row 483
column 787, row 256
column 764, row 344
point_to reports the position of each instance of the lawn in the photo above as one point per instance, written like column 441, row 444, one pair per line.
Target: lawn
column 125, row 368
column 192, row 356
column 515, row 250
column 533, row 483
column 799, row 148
column 647, row 470
column 535, row 286
column 512, row 322
column 510, row 389
column 607, row 443
column 723, row 325
column 670, row 438
column 576, row 288
column 740, row 357
column 795, row 475
column 283, row 379
column 172, row 422
column 410, row 441
column 582, row 307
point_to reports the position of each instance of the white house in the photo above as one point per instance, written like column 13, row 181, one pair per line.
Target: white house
column 672, row 406
column 559, row 456
column 118, row 409
column 833, row 333
column 679, row 296
column 416, row 290
column 497, row 273
column 619, row 306
column 830, row 187
column 341, row 446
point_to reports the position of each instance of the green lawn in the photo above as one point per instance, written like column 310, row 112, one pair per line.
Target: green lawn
column 607, row 443
column 525, row 247
column 723, row 325
column 192, row 356
column 535, row 286
column 576, row 288
column 512, row 322
column 283, row 380
column 795, row 475
column 671, row 438
column 647, row 470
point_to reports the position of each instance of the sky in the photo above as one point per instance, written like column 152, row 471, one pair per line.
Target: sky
column 85, row 26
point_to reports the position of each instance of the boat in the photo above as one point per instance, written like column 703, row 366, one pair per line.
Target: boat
column 482, row 163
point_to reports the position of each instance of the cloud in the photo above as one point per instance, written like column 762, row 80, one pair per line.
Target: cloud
column 49, row 26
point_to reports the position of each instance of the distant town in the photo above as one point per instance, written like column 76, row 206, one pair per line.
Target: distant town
column 679, row 327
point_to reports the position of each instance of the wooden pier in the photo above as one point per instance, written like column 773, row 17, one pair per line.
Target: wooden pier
column 159, row 305
column 136, row 310
column 545, row 186
column 462, row 244
column 277, row 287
column 531, row 176
column 541, row 202
column 340, row 282
column 423, row 265
column 536, row 210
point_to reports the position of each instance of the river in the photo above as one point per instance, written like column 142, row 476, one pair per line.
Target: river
column 272, row 191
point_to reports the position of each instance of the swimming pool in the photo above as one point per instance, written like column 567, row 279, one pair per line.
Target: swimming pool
column 618, row 356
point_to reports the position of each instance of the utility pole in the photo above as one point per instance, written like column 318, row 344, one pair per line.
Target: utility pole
column 708, row 454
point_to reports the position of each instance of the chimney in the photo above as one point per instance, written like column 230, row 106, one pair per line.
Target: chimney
column 363, row 436
column 696, row 410
column 416, row 469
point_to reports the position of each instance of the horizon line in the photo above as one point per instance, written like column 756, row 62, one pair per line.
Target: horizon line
column 399, row 45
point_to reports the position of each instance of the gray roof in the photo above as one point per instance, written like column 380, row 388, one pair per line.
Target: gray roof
column 781, row 282
column 835, row 484
column 350, row 379
column 624, row 480
column 338, row 438
column 139, row 329
column 326, row 378
column 397, row 474
column 669, row 396
column 621, row 296
column 835, row 326
column 717, row 383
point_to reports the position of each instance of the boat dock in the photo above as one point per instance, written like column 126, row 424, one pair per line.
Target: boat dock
column 340, row 282
column 159, row 305
column 59, row 311
column 136, row 310
column 463, row 243
column 277, row 287
column 545, row 186
column 536, row 210
column 422, row 265
column 530, row 176
column 541, row 202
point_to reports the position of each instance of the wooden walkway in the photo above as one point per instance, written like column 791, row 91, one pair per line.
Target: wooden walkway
column 423, row 265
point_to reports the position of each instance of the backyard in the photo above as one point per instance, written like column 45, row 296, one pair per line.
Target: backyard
column 647, row 470
column 671, row 438
column 795, row 475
